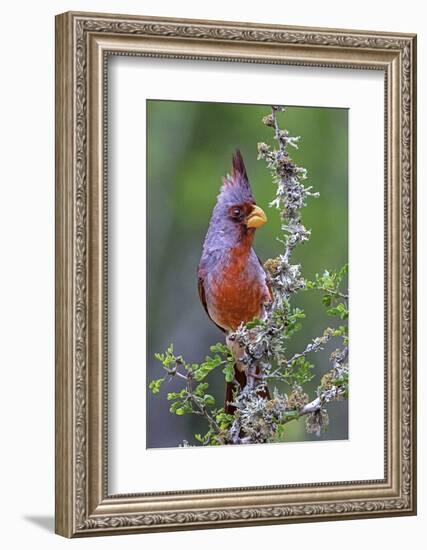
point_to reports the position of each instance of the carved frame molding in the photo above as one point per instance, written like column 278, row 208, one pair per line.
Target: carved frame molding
column 83, row 43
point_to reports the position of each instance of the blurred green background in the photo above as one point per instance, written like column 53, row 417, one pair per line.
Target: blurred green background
column 189, row 148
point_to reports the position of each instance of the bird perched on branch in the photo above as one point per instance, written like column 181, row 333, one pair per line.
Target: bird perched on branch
column 232, row 282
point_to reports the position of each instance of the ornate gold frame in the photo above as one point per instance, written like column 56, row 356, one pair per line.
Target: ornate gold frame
column 83, row 42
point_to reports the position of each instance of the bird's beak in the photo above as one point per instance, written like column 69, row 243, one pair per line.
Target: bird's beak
column 256, row 218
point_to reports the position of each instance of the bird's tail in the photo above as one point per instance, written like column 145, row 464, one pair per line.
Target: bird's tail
column 239, row 383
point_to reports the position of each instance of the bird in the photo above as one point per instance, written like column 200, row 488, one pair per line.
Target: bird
column 232, row 283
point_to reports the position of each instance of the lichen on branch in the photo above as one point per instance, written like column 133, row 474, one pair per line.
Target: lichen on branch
column 264, row 343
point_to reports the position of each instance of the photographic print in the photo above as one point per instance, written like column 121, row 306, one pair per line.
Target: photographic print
column 247, row 292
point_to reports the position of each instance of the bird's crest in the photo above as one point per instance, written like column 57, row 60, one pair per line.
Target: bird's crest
column 239, row 168
column 236, row 187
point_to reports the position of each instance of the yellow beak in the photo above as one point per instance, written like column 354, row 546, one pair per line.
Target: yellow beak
column 256, row 218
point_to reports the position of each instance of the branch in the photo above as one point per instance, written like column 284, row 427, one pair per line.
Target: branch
column 318, row 416
column 330, row 394
column 317, row 344
column 332, row 292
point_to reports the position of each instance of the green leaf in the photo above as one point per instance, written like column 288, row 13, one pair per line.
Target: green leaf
column 254, row 323
column 293, row 322
column 342, row 272
column 155, row 385
column 200, row 389
column 340, row 331
column 177, row 395
column 220, row 348
column 180, row 407
column 209, row 400
column 302, row 371
column 174, row 407
column 224, row 420
column 167, row 358
column 326, row 300
column 330, row 281
column 340, row 311
column 209, row 364
column 228, row 371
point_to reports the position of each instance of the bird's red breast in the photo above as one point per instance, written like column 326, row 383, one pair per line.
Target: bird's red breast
column 237, row 291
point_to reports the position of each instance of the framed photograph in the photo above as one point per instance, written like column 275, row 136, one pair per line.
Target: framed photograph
column 235, row 274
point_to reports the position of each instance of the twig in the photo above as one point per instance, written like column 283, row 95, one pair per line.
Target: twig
column 331, row 292
column 329, row 394
column 202, row 410
column 314, row 346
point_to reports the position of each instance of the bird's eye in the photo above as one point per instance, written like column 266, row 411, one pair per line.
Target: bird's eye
column 236, row 212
